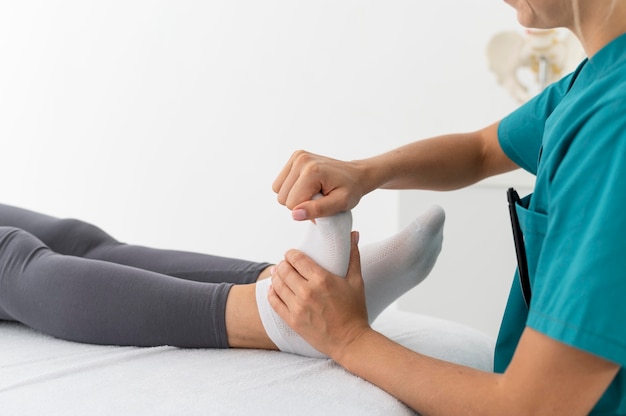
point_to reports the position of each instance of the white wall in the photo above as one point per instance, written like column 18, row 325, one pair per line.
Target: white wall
column 165, row 122
column 472, row 277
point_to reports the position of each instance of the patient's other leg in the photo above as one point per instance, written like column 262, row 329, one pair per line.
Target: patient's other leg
column 394, row 266
column 78, row 238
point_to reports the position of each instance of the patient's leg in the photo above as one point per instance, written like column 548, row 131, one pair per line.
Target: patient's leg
column 81, row 239
column 244, row 328
column 99, row 302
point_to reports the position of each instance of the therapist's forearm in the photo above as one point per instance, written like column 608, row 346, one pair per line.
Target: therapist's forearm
column 544, row 377
column 427, row 385
column 441, row 163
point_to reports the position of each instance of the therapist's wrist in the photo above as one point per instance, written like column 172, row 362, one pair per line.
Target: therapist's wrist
column 352, row 345
column 371, row 173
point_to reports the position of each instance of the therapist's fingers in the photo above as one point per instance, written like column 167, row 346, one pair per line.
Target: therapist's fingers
column 276, row 301
column 280, row 296
column 295, row 184
column 281, row 179
column 299, row 271
column 282, row 289
column 354, row 275
column 328, row 205
column 288, row 284
column 306, row 175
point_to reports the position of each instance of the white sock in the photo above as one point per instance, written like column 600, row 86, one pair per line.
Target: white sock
column 394, row 266
column 327, row 242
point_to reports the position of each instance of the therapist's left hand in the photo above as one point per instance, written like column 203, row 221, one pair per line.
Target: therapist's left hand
column 328, row 311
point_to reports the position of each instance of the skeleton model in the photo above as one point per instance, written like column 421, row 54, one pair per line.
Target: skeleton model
column 526, row 64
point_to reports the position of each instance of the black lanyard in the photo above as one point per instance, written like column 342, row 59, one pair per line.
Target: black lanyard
column 520, row 249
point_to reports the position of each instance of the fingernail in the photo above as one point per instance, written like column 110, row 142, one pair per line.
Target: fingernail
column 298, row 214
column 355, row 237
column 272, row 270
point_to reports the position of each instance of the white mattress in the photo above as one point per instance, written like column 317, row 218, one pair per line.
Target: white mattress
column 41, row 375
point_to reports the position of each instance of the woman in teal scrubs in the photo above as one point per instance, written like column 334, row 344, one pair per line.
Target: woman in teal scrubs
column 561, row 347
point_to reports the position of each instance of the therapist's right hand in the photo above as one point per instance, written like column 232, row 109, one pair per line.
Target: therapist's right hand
column 306, row 175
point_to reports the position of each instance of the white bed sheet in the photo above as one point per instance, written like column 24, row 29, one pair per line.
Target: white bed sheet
column 41, row 375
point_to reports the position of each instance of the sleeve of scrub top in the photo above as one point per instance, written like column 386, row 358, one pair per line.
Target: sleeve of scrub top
column 520, row 133
column 579, row 294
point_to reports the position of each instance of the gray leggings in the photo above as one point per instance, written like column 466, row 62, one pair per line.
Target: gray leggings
column 71, row 280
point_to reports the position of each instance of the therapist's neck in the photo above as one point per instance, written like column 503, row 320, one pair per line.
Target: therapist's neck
column 600, row 26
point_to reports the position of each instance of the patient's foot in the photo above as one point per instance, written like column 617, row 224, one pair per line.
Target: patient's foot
column 394, row 266
column 327, row 242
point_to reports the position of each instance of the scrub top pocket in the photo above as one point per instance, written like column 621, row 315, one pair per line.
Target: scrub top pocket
column 533, row 225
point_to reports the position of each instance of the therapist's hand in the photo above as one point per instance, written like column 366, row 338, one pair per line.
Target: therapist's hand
column 328, row 311
column 305, row 175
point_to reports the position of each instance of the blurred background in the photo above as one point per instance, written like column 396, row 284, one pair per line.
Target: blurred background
column 165, row 122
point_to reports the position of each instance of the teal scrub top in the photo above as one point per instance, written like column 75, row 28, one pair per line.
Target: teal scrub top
column 573, row 138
